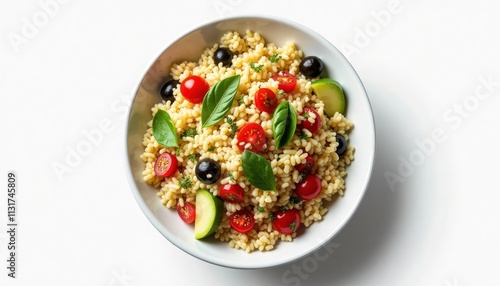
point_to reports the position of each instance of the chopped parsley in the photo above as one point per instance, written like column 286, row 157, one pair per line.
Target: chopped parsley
column 191, row 132
column 241, row 100
column 185, row 182
column 193, row 157
column 178, row 151
column 233, row 125
column 293, row 226
column 260, row 209
column 282, row 208
column 302, row 135
column 281, row 93
column 256, row 68
column 295, row 200
column 211, row 149
column 272, row 217
column 275, row 58
column 306, row 114
column 231, row 177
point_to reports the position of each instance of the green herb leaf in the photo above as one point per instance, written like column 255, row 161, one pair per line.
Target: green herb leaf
column 294, row 200
column 231, row 177
column 284, row 124
column 164, row 129
column 256, row 68
column 241, row 100
column 185, row 182
column 293, row 226
column 191, row 132
column 211, row 149
column 272, row 217
column 260, row 209
column 218, row 100
column 275, row 58
column 258, row 171
column 233, row 125
column 193, row 157
column 302, row 135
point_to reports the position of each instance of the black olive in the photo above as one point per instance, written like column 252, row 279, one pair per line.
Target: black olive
column 311, row 66
column 207, row 171
column 167, row 90
column 342, row 147
column 224, row 56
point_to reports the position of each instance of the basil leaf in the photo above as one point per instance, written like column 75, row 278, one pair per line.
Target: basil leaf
column 218, row 100
column 164, row 129
column 258, row 171
column 284, row 124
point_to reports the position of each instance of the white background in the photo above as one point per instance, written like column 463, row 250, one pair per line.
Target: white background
column 423, row 64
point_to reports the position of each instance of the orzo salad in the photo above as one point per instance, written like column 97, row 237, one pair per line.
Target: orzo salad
column 249, row 143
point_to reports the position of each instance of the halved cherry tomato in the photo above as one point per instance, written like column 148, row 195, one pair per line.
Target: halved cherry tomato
column 251, row 133
column 194, row 88
column 242, row 221
column 309, row 188
column 315, row 126
column 286, row 81
column 165, row 165
column 265, row 100
column 232, row 193
column 287, row 222
column 305, row 168
column 187, row 212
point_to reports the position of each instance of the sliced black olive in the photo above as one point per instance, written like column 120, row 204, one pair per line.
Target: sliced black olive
column 311, row 66
column 207, row 171
column 224, row 56
column 342, row 147
column 167, row 90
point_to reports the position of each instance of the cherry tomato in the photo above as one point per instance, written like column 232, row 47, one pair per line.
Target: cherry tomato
column 232, row 193
column 265, row 100
column 242, row 221
column 251, row 133
column 286, row 81
column 165, row 165
column 309, row 188
column 287, row 222
column 194, row 88
column 313, row 127
column 187, row 212
column 305, row 168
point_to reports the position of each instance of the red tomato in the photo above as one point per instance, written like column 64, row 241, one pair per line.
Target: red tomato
column 287, row 222
column 265, row 100
column 187, row 212
column 194, row 88
column 309, row 187
column 286, row 81
column 305, row 168
column 251, row 133
column 313, row 127
column 242, row 221
column 165, row 165
column 232, row 193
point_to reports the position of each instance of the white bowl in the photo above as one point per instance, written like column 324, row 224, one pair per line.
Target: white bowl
column 362, row 137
